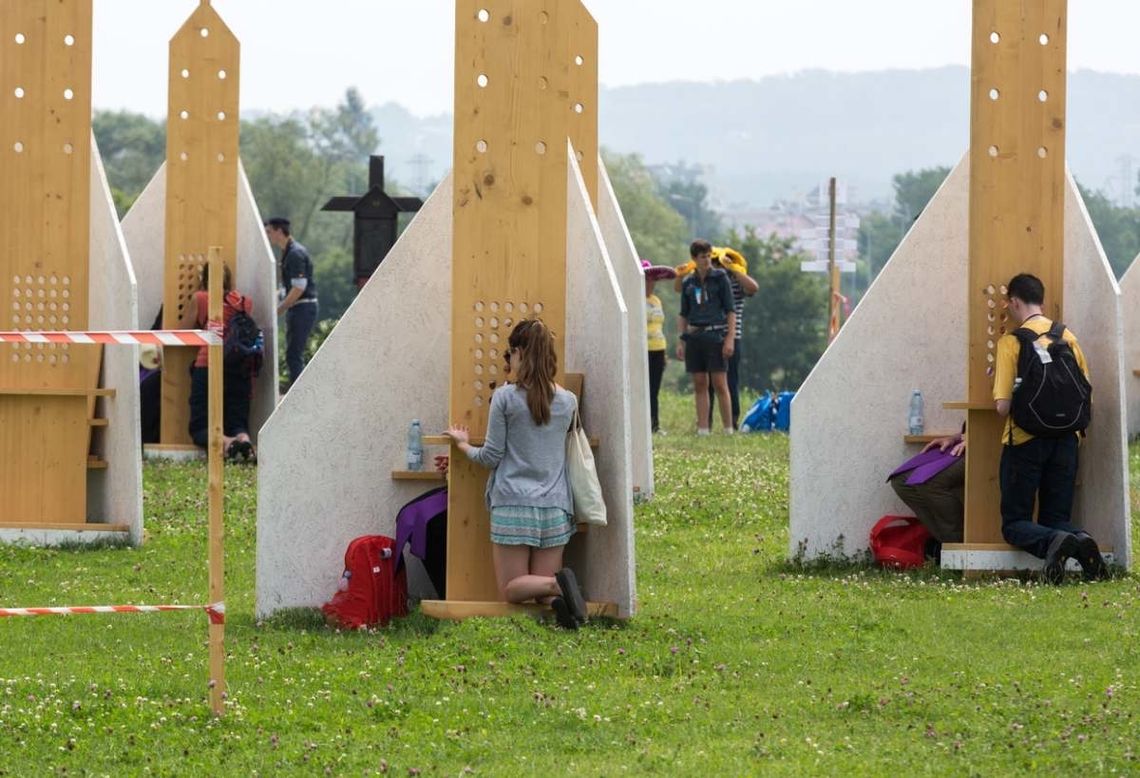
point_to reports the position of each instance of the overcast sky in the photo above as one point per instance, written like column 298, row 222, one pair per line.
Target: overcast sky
column 299, row 53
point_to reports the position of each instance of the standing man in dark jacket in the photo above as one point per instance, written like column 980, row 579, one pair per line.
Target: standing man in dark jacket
column 300, row 303
column 708, row 334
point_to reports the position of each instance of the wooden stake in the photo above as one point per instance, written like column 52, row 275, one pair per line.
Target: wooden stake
column 832, row 267
column 215, row 488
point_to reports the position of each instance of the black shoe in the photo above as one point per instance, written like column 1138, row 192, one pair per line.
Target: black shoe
column 562, row 614
column 568, row 583
column 1093, row 567
column 1063, row 546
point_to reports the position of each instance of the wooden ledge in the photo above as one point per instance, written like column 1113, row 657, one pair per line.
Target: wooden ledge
column 443, row 440
column 966, row 405
column 95, row 463
column 927, row 438
column 68, row 527
column 98, row 422
column 457, row 610
column 996, row 547
column 418, row 475
column 10, row 391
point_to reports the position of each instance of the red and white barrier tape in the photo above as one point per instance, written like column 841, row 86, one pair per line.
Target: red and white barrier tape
column 216, row 611
column 112, row 337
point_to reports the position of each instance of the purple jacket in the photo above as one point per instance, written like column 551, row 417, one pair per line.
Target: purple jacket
column 925, row 466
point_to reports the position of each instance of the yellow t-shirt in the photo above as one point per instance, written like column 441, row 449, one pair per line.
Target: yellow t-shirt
column 1005, row 370
column 654, row 323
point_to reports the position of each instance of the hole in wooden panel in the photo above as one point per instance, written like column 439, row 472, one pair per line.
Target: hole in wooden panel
column 990, row 357
column 185, row 73
column 20, row 38
column 64, row 358
column 992, row 151
column 481, row 146
column 479, row 322
column 52, row 358
column 184, row 156
column 478, row 306
column 494, row 338
column 543, row 17
column 68, row 148
column 522, row 307
column 494, row 307
column 493, row 354
column 1043, row 39
column 478, row 370
column 221, row 116
column 27, row 357
column 477, row 385
column 478, row 400
column 991, row 303
column 1042, row 152
column 68, row 94
column 19, row 92
column 542, row 82
column 204, row 32
column 508, row 306
column 990, row 331
column 540, row 148
column 494, row 322
column 482, row 80
column 483, row 15
column 66, row 281
column 68, row 40
column 994, row 94
column 1003, row 289
column 493, row 370
column 1042, row 96
column 579, row 155
column 15, row 357
column 538, row 308
column 989, row 344
column 221, row 157
column 995, row 38
column 578, row 108
column 184, row 115
column 222, row 75
column 989, row 289
column 579, row 61
column 18, row 147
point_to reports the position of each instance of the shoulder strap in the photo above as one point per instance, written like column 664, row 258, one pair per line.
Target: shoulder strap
column 1057, row 331
column 1025, row 335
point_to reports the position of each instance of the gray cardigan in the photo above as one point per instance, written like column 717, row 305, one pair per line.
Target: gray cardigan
column 528, row 462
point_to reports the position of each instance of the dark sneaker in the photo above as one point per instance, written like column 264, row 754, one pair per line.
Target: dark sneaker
column 1063, row 546
column 1093, row 567
column 568, row 583
column 562, row 614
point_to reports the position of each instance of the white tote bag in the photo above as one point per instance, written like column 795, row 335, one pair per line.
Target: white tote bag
column 589, row 508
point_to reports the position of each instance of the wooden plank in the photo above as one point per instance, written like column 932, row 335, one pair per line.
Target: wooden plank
column 1016, row 212
column 85, row 527
column 458, row 610
column 418, row 475
column 927, row 438
column 45, row 128
column 201, row 185
column 62, row 392
column 512, row 121
column 95, row 463
column 583, row 130
column 995, row 547
column 98, row 422
column 965, row 405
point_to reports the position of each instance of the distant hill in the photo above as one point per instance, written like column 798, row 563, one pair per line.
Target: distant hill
column 774, row 138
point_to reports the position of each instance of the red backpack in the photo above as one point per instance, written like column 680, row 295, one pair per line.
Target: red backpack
column 371, row 590
column 899, row 541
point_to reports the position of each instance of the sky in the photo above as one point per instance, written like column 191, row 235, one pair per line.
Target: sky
column 300, row 53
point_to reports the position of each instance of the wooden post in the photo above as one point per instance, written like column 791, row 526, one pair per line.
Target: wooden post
column 832, row 267
column 201, row 186
column 1017, row 210
column 216, row 488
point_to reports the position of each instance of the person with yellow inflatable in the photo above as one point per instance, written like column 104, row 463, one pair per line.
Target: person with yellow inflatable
column 743, row 285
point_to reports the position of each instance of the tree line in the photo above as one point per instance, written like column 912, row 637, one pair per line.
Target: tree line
column 297, row 161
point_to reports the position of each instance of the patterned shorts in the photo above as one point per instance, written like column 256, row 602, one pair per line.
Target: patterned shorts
column 517, row 525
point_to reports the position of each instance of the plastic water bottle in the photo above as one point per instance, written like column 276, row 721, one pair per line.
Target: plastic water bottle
column 415, row 446
column 915, row 421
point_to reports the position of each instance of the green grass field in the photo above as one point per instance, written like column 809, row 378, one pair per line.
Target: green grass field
column 737, row 664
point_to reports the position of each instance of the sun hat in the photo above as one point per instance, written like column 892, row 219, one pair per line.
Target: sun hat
column 656, row 272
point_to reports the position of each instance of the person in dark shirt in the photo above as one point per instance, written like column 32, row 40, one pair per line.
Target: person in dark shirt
column 708, row 334
column 300, row 305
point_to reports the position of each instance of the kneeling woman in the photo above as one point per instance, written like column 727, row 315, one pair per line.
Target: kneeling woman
column 527, row 492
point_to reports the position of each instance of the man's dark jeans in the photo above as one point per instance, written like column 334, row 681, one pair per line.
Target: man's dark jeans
column 733, row 379
column 299, row 321
column 1045, row 468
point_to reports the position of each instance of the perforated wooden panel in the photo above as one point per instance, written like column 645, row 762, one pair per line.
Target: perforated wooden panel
column 516, row 88
column 1017, row 178
column 201, row 184
column 584, row 95
column 45, row 129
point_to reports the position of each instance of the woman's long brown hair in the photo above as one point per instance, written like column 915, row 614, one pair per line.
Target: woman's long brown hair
column 537, row 364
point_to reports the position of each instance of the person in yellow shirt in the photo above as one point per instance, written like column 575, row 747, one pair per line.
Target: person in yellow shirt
column 1041, row 467
column 655, row 335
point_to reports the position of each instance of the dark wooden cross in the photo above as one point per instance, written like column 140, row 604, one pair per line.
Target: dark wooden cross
column 375, row 220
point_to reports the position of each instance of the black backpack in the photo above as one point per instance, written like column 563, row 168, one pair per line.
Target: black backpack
column 1054, row 398
column 244, row 343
